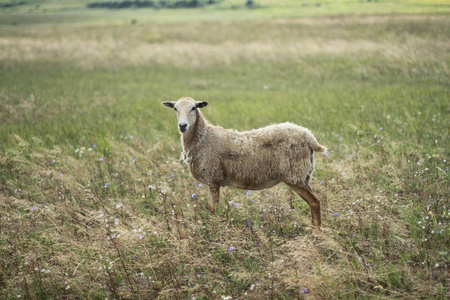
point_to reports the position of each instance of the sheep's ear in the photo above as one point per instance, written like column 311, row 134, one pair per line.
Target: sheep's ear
column 169, row 104
column 201, row 104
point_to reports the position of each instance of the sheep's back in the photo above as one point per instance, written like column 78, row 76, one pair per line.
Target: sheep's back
column 271, row 152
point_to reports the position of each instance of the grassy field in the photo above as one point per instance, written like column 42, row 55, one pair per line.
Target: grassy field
column 95, row 203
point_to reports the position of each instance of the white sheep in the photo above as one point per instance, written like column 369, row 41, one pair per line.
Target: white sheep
column 253, row 160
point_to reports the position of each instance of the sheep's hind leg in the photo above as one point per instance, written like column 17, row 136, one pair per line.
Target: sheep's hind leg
column 307, row 194
column 214, row 195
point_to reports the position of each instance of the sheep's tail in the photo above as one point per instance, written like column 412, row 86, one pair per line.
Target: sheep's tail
column 318, row 147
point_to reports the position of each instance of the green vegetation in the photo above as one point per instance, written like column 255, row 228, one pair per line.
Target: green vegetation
column 95, row 204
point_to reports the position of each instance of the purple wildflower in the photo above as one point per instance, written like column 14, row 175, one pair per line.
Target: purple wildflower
column 322, row 182
column 106, row 184
column 248, row 193
column 247, row 222
column 133, row 159
column 33, row 207
column 94, row 146
column 235, row 205
column 336, row 214
column 381, row 128
column 200, row 185
column 193, row 195
column 100, row 159
column 304, row 291
column 52, row 162
column 231, row 248
column 139, row 236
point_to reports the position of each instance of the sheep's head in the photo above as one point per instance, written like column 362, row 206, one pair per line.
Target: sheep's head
column 186, row 109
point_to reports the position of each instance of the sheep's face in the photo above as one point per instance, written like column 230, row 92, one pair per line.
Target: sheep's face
column 186, row 109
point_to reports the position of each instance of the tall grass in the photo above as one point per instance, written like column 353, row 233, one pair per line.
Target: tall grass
column 95, row 203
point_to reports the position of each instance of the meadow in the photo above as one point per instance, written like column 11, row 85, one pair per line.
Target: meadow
column 95, row 203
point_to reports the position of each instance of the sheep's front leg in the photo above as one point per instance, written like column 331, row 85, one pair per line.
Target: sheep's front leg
column 214, row 195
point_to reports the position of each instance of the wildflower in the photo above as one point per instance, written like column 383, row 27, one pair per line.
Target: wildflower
column 235, row 205
column 133, row 159
column 336, row 214
column 248, row 193
column 193, row 195
column 231, row 248
column 68, row 287
column 378, row 287
column 257, row 244
column 100, row 159
column 33, row 207
column 439, row 232
column 52, row 162
column 200, row 185
column 106, row 184
column 139, row 236
column 381, row 128
column 304, row 291
column 340, row 138
column 247, row 222
column 322, row 182
column 41, row 205
column 171, row 175
column 60, row 175
column 327, row 154
column 94, row 146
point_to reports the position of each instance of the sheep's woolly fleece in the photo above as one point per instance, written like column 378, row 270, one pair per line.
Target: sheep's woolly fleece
column 254, row 159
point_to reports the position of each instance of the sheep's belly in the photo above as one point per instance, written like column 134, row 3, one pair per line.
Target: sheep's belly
column 250, row 186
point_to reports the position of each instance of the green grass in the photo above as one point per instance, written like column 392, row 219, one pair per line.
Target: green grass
column 95, row 203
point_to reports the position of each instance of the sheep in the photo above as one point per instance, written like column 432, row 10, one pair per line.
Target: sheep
column 252, row 160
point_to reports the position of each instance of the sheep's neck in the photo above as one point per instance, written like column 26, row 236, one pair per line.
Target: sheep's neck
column 195, row 134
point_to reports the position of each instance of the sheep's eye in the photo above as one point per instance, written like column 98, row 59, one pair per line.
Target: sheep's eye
column 175, row 109
column 193, row 108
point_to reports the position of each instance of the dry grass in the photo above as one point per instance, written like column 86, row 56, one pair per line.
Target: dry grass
column 153, row 44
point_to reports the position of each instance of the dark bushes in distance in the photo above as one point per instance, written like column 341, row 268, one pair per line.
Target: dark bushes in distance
column 12, row 3
column 150, row 3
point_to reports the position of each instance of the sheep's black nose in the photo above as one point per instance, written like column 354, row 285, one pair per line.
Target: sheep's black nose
column 182, row 127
